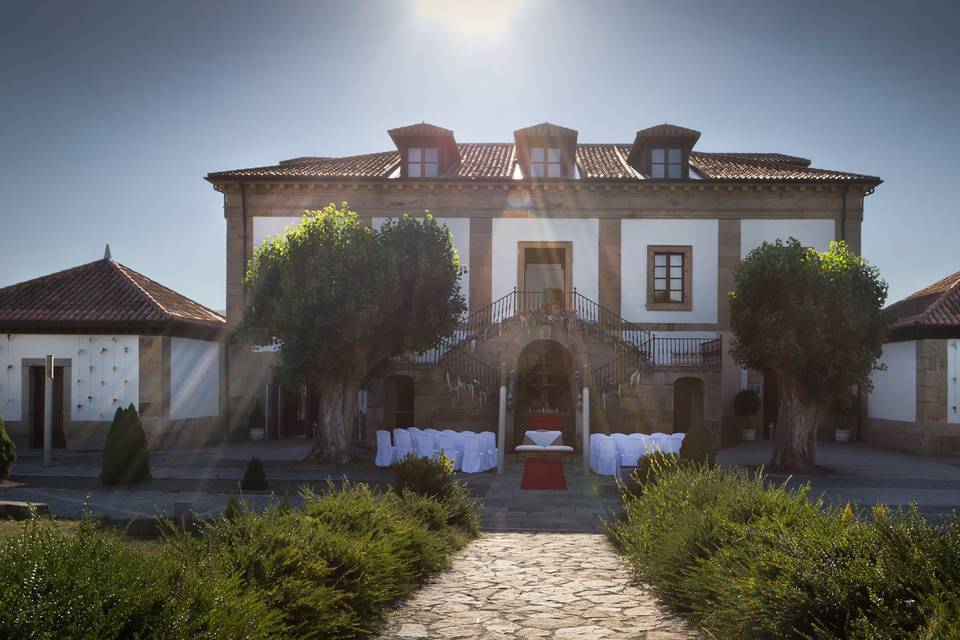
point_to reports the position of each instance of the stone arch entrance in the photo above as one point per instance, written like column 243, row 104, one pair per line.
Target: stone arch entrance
column 545, row 397
column 687, row 404
column 399, row 393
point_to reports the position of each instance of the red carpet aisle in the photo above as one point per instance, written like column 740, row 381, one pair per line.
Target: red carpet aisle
column 544, row 473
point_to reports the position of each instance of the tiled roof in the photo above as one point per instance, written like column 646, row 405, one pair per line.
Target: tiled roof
column 420, row 129
column 604, row 161
column 764, row 166
column 491, row 160
column 935, row 306
column 546, row 130
column 101, row 295
column 595, row 161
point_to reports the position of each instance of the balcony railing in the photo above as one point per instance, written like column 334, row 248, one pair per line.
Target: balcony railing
column 700, row 353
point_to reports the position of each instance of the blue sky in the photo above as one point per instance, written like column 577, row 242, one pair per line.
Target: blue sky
column 111, row 113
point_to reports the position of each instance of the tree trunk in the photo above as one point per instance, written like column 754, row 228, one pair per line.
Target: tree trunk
column 337, row 408
column 795, row 436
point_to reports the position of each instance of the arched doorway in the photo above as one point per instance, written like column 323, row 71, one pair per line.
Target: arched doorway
column 544, row 391
column 687, row 404
column 398, row 402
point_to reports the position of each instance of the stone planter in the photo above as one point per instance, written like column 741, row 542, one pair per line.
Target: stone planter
column 748, row 435
column 841, row 434
column 256, row 434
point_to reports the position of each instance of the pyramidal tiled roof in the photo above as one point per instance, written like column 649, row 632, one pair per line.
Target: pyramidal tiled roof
column 595, row 161
column 936, row 306
column 102, row 296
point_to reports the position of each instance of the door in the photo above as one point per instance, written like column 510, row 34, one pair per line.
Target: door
column 544, row 274
column 38, row 380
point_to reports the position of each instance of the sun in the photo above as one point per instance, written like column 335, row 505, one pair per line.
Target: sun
column 470, row 16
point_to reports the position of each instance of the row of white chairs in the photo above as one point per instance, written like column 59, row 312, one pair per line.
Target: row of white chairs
column 608, row 453
column 470, row 452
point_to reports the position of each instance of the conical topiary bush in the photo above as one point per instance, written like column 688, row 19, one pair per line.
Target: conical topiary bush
column 254, row 478
column 8, row 453
column 698, row 445
column 126, row 459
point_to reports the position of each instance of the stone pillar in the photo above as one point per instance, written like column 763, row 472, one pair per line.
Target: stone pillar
column 728, row 257
column 481, row 255
column 609, row 264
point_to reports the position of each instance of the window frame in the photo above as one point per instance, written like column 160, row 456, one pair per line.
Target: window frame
column 546, row 163
column 667, row 163
column 686, row 284
column 421, row 163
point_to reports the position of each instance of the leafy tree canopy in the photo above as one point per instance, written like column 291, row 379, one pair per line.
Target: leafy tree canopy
column 814, row 318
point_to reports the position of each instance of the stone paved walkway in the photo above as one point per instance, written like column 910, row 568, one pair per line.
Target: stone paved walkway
column 535, row 585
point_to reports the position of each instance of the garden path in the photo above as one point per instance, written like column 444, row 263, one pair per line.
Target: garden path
column 535, row 585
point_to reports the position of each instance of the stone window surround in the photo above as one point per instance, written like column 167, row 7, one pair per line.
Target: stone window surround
column 687, row 303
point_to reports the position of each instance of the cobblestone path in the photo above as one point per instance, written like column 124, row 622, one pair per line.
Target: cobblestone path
column 535, row 585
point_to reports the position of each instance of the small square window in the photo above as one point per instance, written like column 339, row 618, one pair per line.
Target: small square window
column 657, row 155
column 666, row 163
column 423, row 162
column 545, row 163
column 553, row 155
column 673, row 156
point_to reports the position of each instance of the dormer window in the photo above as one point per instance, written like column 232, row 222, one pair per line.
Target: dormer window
column 666, row 163
column 545, row 163
column 423, row 162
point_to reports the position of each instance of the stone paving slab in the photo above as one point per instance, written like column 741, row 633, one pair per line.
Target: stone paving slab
column 535, row 585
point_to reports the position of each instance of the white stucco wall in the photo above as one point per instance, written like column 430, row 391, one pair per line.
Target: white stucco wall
column 460, row 230
column 582, row 232
column 953, row 381
column 811, row 233
column 894, row 395
column 636, row 235
column 264, row 226
column 104, row 375
column 194, row 378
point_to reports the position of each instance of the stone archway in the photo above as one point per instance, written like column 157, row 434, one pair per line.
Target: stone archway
column 545, row 396
column 687, row 404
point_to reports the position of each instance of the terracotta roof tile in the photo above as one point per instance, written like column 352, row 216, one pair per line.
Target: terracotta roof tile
column 100, row 295
column 603, row 161
column 491, row 160
column 935, row 306
column 595, row 161
column 668, row 130
column 747, row 166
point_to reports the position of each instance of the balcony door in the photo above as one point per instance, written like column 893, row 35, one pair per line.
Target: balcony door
column 545, row 274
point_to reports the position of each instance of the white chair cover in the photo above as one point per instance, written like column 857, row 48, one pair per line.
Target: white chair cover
column 594, row 451
column 619, row 441
column 403, row 445
column 633, row 450
column 488, row 446
column 677, row 441
column 423, row 444
column 662, row 442
column 472, row 459
column 448, row 446
column 385, row 451
column 607, row 458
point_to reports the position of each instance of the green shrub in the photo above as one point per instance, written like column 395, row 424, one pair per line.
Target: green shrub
column 91, row 584
column 8, row 453
column 748, row 560
column 126, row 459
column 435, row 478
column 698, row 445
column 254, row 477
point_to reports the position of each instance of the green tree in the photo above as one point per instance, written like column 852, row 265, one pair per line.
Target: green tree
column 816, row 320
column 342, row 298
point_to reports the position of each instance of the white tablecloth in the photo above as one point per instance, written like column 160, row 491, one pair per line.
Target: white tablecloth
column 543, row 438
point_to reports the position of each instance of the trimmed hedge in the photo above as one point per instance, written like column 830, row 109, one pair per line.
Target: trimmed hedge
column 126, row 459
column 327, row 571
column 8, row 453
column 744, row 559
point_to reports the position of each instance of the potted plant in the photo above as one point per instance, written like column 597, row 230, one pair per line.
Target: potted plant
column 746, row 403
column 845, row 407
column 257, row 422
